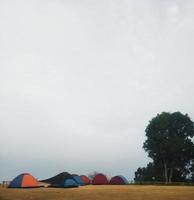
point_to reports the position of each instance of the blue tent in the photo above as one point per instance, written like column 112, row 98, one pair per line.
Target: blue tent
column 77, row 179
column 70, row 183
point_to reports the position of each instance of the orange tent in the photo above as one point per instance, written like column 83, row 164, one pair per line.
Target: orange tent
column 25, row 180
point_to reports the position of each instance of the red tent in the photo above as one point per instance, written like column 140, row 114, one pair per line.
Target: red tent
column 85, row 179
column 100, row 179
column 118, row 180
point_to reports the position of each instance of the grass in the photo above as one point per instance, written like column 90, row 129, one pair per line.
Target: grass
column 130, row 192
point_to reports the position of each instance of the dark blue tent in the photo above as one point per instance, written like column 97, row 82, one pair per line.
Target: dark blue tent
column 63, row 179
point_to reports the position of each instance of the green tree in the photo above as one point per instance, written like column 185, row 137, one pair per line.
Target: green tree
column 154, row 172
column 151, row 172
column 169, row 141
column 192, row 171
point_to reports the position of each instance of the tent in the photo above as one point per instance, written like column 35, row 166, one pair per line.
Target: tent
column 25, row 180
column 78, row 180
column 85, row 179
column 126, row 181
column 100, row 179
column 63, row 179
column 118, row 180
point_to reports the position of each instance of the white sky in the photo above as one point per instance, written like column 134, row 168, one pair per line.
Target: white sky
column 80, row 80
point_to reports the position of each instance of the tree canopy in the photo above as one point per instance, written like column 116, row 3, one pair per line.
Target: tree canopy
column 169, row 144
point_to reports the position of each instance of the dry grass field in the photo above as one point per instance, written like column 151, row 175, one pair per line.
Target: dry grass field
column 130, row 192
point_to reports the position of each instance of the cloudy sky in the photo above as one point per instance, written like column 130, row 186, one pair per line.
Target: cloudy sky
column 80, row 80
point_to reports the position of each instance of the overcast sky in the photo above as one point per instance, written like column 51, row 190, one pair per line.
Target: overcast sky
column 80, row 80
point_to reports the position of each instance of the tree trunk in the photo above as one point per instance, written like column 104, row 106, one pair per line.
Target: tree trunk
column 170, row 175
column 166, row 173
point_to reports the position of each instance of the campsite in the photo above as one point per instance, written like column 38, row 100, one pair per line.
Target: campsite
column 96, row 100
column 108, row 192
column 66, row 186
